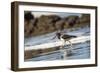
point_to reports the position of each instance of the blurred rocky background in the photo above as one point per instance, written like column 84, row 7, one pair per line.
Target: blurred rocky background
column 34, row 26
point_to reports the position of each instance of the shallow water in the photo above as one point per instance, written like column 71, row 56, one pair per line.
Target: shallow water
column 80, row 51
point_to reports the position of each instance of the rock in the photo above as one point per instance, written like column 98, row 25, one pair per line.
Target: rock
column 50, row 23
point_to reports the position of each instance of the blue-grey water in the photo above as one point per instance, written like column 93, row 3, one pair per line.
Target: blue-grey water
column 80, row 51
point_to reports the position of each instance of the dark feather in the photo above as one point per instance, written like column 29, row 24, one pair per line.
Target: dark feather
column 68, row 36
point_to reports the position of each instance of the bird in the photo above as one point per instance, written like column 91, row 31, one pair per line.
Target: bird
column 64, row 38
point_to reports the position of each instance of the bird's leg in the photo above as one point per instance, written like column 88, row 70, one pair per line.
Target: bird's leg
column 63, row 51
column 69, row 51
column 64, row 42
column 70, row 44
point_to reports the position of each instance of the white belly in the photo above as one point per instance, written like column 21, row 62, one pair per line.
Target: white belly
column 63, row 41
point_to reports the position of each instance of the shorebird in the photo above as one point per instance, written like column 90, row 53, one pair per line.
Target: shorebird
column 64, row 37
